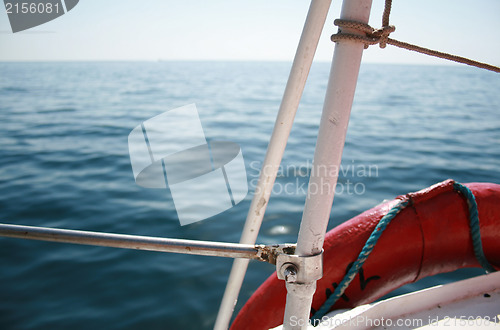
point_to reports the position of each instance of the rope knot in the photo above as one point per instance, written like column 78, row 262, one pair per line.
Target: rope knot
column 371, row 36
column 383, row 34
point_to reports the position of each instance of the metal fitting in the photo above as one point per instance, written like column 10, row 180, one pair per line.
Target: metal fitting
column 299, row 269
column 289, row 272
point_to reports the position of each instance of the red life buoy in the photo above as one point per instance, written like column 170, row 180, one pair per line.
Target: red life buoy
column 430, row 236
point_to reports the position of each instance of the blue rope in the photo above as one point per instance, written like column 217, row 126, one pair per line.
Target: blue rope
column 365, row 252
column 474, row 226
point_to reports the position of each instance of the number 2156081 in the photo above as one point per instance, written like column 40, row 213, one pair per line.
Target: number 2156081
column 31, row 8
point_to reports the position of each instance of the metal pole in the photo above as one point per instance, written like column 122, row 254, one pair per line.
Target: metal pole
column 204, row 248
column 313, row 26
column 327, row 158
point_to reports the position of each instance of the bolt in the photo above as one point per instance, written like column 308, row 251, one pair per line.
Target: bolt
column 290, row 274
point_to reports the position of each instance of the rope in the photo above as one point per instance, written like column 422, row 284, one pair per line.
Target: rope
column 446, row 56
column 474, row 226
column 379, row 229
column 387, row 13
column 365, row 252
column 381, row 36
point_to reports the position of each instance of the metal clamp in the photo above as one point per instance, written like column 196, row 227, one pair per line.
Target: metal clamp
column 299, row 269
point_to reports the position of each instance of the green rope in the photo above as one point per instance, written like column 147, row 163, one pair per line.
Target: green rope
column 474, row 226
column 365, row 252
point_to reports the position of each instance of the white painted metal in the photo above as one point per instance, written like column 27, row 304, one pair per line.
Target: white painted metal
column 332, row 132
column 306, row 49
column 327, row 157
column 298, row 305
column 469, row 304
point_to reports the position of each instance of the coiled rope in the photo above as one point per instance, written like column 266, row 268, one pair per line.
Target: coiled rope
column 377, row 233
column 381, row 36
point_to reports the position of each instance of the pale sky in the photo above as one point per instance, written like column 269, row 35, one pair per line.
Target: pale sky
column 244, row 30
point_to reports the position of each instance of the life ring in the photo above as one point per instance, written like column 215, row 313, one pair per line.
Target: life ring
column 430, row 236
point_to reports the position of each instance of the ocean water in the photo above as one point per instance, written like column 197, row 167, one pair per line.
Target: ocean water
column 64, row 163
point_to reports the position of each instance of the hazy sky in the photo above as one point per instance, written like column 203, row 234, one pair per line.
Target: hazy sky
column 244, row 30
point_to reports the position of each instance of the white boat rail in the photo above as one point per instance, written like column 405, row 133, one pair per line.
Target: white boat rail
column 299, row 72
column 326, row 163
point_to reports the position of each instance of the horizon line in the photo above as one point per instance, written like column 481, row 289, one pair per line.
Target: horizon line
column 444, row 63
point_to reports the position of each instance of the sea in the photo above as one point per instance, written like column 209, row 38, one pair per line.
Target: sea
column 64, row 163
